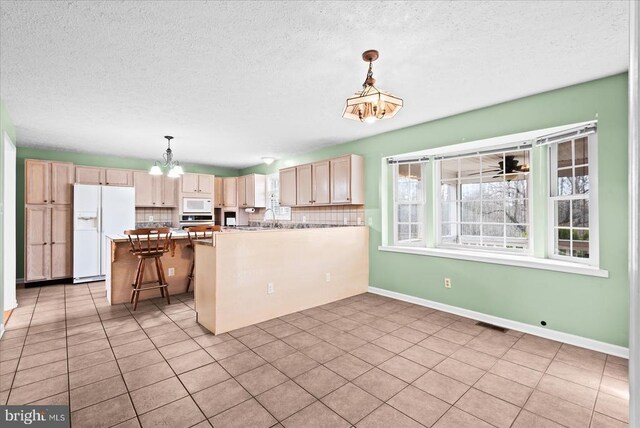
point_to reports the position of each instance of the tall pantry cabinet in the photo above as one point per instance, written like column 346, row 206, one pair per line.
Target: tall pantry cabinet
column 48, row 218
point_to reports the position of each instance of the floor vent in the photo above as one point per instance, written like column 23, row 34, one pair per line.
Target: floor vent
column 491, row 326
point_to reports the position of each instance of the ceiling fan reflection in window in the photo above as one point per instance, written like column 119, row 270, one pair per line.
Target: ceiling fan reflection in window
column 509, row 167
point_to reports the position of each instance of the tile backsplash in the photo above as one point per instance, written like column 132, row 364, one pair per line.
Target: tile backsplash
column 161, row 217
column 351, row 215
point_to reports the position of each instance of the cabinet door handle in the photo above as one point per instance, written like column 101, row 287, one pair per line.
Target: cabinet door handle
column 45, row 200
column 52, row 243
column 107, row 183
column 163, row 203
column 99, row 182
column 44, row 243
column 52, row 201
column 348, row 199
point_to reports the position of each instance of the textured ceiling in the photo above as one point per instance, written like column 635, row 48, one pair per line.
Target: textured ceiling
column 235, row 81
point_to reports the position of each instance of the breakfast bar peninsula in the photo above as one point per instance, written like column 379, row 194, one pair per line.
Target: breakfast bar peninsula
column 245, row 277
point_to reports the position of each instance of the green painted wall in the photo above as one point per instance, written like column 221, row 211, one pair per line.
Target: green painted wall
column 6, row 125
column 591, row 307
column 89, row 160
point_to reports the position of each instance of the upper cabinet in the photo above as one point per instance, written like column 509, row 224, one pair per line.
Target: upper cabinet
column 338, row 181
column 197, row 185
column 218, row 192
column 230, row 185
column 104, row 176
column 48, row 182
column 157, row 191
column 118, row 177
column 252, row 191
column 347, row 180
column 312, row 184
column 288, row 187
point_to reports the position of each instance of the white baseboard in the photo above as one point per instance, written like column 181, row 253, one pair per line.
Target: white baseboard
column 571, row 339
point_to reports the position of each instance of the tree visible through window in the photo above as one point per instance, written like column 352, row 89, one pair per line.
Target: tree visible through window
column 570, row 197
column 484, row 201
column 408, row 203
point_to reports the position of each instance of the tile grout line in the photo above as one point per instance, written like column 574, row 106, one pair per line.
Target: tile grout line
column 24, row 344
column 117, row 364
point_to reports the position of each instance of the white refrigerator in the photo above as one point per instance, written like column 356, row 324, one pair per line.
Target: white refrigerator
column 98, row 211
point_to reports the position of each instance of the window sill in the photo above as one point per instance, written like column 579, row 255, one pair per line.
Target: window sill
column 502, row 259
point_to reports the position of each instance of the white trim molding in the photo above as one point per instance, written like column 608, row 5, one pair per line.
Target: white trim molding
column 502, row 259
column 634, row 215
column 1, row 330
column 558, row 336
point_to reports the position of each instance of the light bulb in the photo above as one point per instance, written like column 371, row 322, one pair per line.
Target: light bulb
column 155, row 170
column 370, row 119
column 177, row 169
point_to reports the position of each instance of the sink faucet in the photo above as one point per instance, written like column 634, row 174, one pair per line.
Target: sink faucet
column 274, row 222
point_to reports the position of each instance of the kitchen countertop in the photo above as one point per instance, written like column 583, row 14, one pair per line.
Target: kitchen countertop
column 181, row 234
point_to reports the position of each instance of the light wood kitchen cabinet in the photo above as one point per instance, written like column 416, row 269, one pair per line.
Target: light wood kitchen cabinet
column 347, row 180
column 241, row 187
column 104, row 176
column 61, row 241
column 288, row 187
column 197, row 185
column 218, row 192
column 48, row 218
column 252, row 191
column 38, row 188
column 118, row 177
column 143, row 185
column 169, row 190
column 312, row 181
column 48, row 182
column 338, row 181
column 157, row 191
column 320, row 183
column 230, row 185
column 90, row 175
column 304, row 183
column 61, row 183
column 48, row 250
column 37, row 248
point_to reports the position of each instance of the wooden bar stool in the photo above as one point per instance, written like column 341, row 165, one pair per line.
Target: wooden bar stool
column 149, row 243
column 194, row 234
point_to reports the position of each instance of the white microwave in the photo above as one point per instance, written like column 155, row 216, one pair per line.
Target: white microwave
column 196, row 205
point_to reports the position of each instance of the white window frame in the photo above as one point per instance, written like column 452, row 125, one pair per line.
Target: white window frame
column 539, row 242
column 273, row 199
column 552, row 177
column 421, row 211
column 470, row 248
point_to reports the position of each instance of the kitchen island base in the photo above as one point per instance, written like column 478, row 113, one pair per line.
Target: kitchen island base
column 247, row 278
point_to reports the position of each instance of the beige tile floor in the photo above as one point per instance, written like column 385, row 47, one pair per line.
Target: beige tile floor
column 366, row 361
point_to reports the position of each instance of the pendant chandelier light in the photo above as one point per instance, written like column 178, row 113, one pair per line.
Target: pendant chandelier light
column 371, row 103
column 175, row 170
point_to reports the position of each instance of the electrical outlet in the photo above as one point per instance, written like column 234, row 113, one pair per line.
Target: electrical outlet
column 328, row 277
column 150, row 218
column 171, row 271
column 304, row 218
column 370, row 221
column 270, row 289
column 447, row 283
column 359, row 221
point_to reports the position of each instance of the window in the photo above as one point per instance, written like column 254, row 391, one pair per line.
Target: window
column 484, row 201
column 408, row 204
column 570, row 201
column 273, row 198
column 475, row 200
